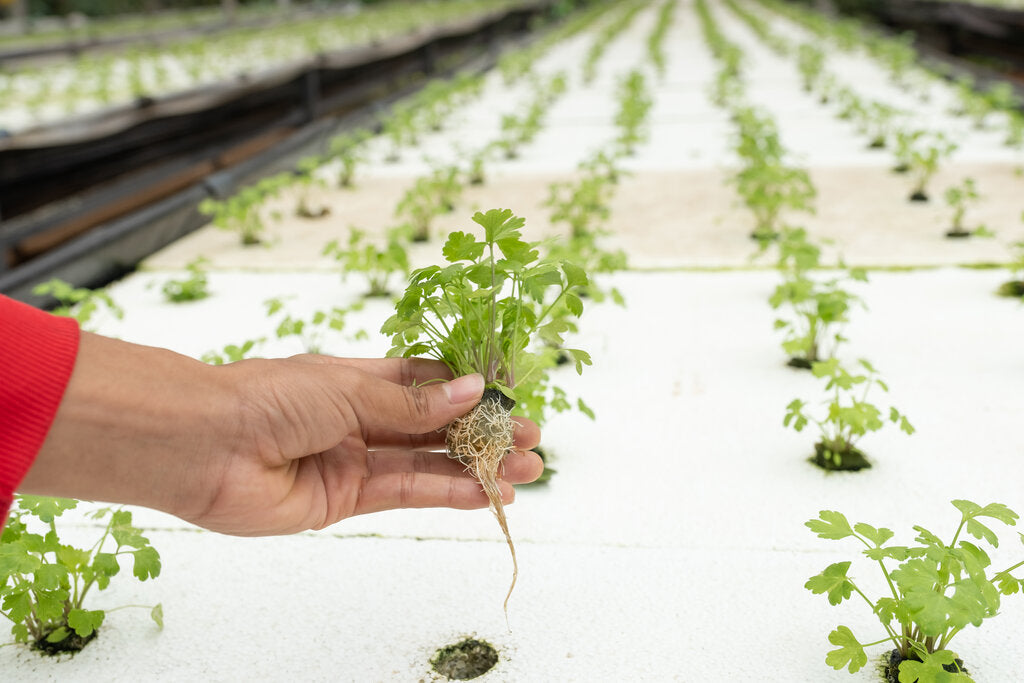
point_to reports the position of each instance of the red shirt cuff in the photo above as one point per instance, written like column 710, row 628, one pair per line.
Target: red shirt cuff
column 37, row 355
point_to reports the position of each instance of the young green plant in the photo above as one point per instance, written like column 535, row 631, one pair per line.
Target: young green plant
column 478, row 314
column 44, row 581
column 848, row 416
column 191, row 288
column 936, row 590
column 362, row 255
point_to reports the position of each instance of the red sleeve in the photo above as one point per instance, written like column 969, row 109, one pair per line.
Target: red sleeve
column 37, row 355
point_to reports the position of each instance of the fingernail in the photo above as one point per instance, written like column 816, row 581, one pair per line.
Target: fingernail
column 464, row 388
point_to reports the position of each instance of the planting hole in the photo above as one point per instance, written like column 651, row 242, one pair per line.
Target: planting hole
column 464, row 660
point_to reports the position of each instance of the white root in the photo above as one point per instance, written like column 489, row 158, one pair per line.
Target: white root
column 480, row 440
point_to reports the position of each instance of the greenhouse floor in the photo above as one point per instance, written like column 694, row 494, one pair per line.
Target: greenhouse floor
column 669, row 544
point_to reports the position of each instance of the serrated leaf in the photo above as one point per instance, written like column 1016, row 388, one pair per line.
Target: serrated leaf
column 930, row 669
column 462, row 246
column 46, row 509
column 831, row 525
column 124, row 533
column 84, row 622
column 574, row 304
column 147, row 563
column 833, row 581
column 849, row 654
column 876, row 536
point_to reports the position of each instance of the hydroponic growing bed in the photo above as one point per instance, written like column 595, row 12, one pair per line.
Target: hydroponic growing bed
column 670, row 542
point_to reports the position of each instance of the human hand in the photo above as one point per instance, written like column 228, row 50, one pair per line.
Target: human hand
column 262, row 447
column 329, row 438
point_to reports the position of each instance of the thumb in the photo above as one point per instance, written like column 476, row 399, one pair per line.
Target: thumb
column 416, row 409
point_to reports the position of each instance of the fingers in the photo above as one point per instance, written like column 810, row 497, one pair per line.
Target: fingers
column 382, row 405
column 527, row 436
column 518, row 467
column 421, row 490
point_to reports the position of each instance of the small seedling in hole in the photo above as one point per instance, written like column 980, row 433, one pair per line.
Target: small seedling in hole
column 811, row 63
column 1014, row 129
column 361, row 255
column 232, row 352
column 769, row 189
column 349, row 151
column 44, row 582
column 241, row 212
column 312, row 331
column 478, row 315
column 903, row 149
column 192, row 288
column 875, row 122
column 935, row 591
column 848, row 418
column 820, row 310
column 306, row 178
column 79, row 303
column 958, row 197
column 1015, row 286
column 925, row 158
column 429, row 197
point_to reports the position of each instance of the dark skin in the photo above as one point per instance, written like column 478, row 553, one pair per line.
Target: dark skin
column 263, row 447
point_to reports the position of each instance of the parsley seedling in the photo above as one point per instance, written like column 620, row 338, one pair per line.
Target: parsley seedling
column 935, row 591
column 479, row 314
column 44, row 581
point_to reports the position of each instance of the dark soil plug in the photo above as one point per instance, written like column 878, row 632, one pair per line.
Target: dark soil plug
column 72, row 643
column 850, row 460
column 918, row 196
column 958, row 233
column 797, row 362
column 1011, row 288
column 464, row 660
column 893, row 660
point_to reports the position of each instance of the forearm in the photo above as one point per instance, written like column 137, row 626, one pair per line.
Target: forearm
column 136, row 425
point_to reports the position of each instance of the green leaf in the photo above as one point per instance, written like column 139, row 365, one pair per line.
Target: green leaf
column 876, row 536
column 15, row 559
column 831, row 525
column 574, row 275
column 585, row 409
column 930, row 669
column 157, row 615
column 124, row 533
column 574, row 304
column 85, row 621
column 850, row 653
column 46, row 509
column 17, row 605
column 147, row 563
column 832, row 581
column 462, row 246
column 58, row 634
column 49, row 576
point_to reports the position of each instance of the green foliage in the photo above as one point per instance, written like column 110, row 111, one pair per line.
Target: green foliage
column 875, row 121
column 607, row 34
column 925, row 156
column 313, row 330
column 656, row 39
column 819, row 310
column 958, row 197
column 480, row 312
column 905, row 141
column 635, row 102
column 935, row 589
column 361, row 255
column 44, row 581
column 79, row 303
column 848, row 415
column 430, row 196
column 519, row 129
column 192, row 288
column 232, row 352
column 241, row 212
column 810, row 60
column 348, row 151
